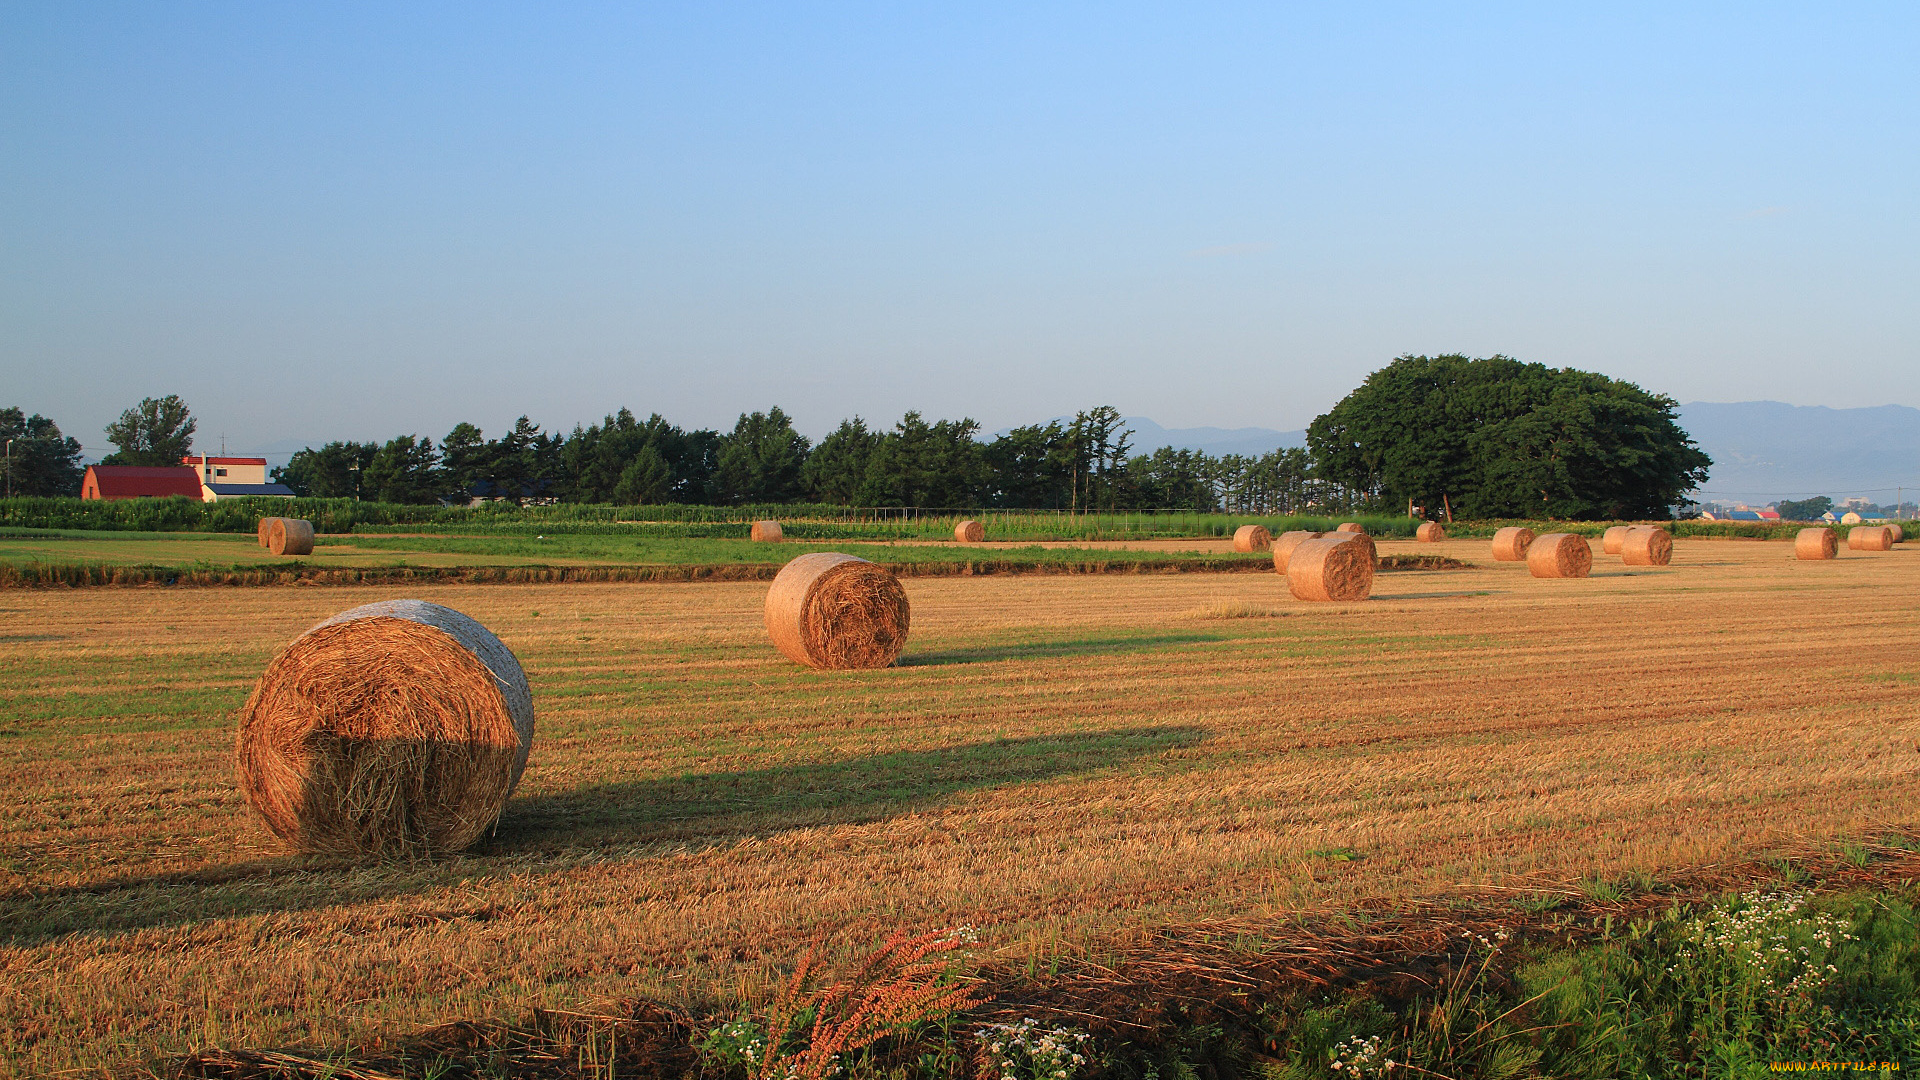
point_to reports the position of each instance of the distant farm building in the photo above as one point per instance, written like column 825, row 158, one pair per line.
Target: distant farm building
column 206, row 478
column 139, row 482
column 233, row 478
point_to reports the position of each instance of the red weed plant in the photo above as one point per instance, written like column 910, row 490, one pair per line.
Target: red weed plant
column 907, row 981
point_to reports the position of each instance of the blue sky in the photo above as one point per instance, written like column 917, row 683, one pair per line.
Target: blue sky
column 356, row 221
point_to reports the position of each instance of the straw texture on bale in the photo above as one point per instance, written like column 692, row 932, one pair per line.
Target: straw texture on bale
column 1614, row 539
column 828, row 610
column 1869, row 538
column 1430, row 531
column 1351, row 526
column 1284, row 544
column 1560, row 555
column 394, row 729
column 290, row 536
column 1898, row 532
column 1816, row 544
column 1647, row 546
column 266, row 526
column 1510, row 543
column 1336, row 567
column 768, row 532
column 969, row 532
column 1252, row 538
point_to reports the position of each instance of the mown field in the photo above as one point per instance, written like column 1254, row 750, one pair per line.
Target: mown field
column 1074, row 765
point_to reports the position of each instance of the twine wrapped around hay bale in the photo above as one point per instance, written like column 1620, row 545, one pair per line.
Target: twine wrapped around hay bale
column 970, row 532
column 1815, row 544
column 1351, row 527
column 828, row 610
column 1869, row 538
column 1614, row 539
column 767, row 532
column 1560, row 555
column 266, row 526
column 1648, row 545
column 1510, row 543
column 1430, row 532
column 1336, row 567
column 1252, row 538
column 394, row 729
column 1284, row 544
column 290, row 536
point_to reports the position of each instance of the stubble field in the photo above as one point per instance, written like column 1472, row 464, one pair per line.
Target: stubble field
column 1066, row 763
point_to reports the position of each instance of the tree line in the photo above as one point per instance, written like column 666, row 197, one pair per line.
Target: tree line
column 1481, row 438
column 1085, row 463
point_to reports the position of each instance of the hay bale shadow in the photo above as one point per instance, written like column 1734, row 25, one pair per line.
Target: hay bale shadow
column 760, row 802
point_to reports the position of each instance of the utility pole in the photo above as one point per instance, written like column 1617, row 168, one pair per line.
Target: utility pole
column 9, row 468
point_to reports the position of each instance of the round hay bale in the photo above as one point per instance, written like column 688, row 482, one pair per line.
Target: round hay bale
column 1869, row 538
column 1332, row 568
column 1430, row 531
column 767, row 532
column 266, row 525
column 394, row 729
column 1560, row 555
column 290, row 536
column 1252, row 538
column 1284, row 544
column 1614, row 539
column 1510, row 543
column 1351, row 527
column 1898, row 532
column 838, row 612
column 969, row 532
column 1815, row 544
column 1648, row 545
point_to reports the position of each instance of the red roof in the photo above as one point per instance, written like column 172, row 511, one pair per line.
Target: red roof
column 196, row 459
column 139, row 481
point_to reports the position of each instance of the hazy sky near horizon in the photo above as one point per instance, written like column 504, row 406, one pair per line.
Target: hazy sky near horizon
column 362, row 220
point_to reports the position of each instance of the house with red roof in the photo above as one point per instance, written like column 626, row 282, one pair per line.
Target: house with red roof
column 139, row 482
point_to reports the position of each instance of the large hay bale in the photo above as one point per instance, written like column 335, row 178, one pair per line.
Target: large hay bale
column 1560, row 555
column 1510, row 543
column 767, row 532
column 1332, row 568
column 828, row 610
column 1351, row 527
column 1252, row 538
column 394, row 729
column 969, row 532
column 266, row 526
column 1647, row 545
column 1430, row 531
column 1816, row 544
column 290, row 536
column 1614, row 539
column 1869, row 538
column 1284, row 544
column 1896, row 530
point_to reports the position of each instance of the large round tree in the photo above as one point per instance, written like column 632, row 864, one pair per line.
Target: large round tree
column 1496, row 437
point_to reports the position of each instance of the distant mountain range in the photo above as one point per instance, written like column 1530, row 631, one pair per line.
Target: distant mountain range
column 1764, row 450
column 1761, row 450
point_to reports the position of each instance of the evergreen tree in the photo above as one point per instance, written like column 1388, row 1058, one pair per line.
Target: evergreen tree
column 761, row 460
column 836, row 469
column 40, row 461
column 406, row 470
column 334, row 471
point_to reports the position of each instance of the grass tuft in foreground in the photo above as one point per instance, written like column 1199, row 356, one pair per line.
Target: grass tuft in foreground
column 1744, row 985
